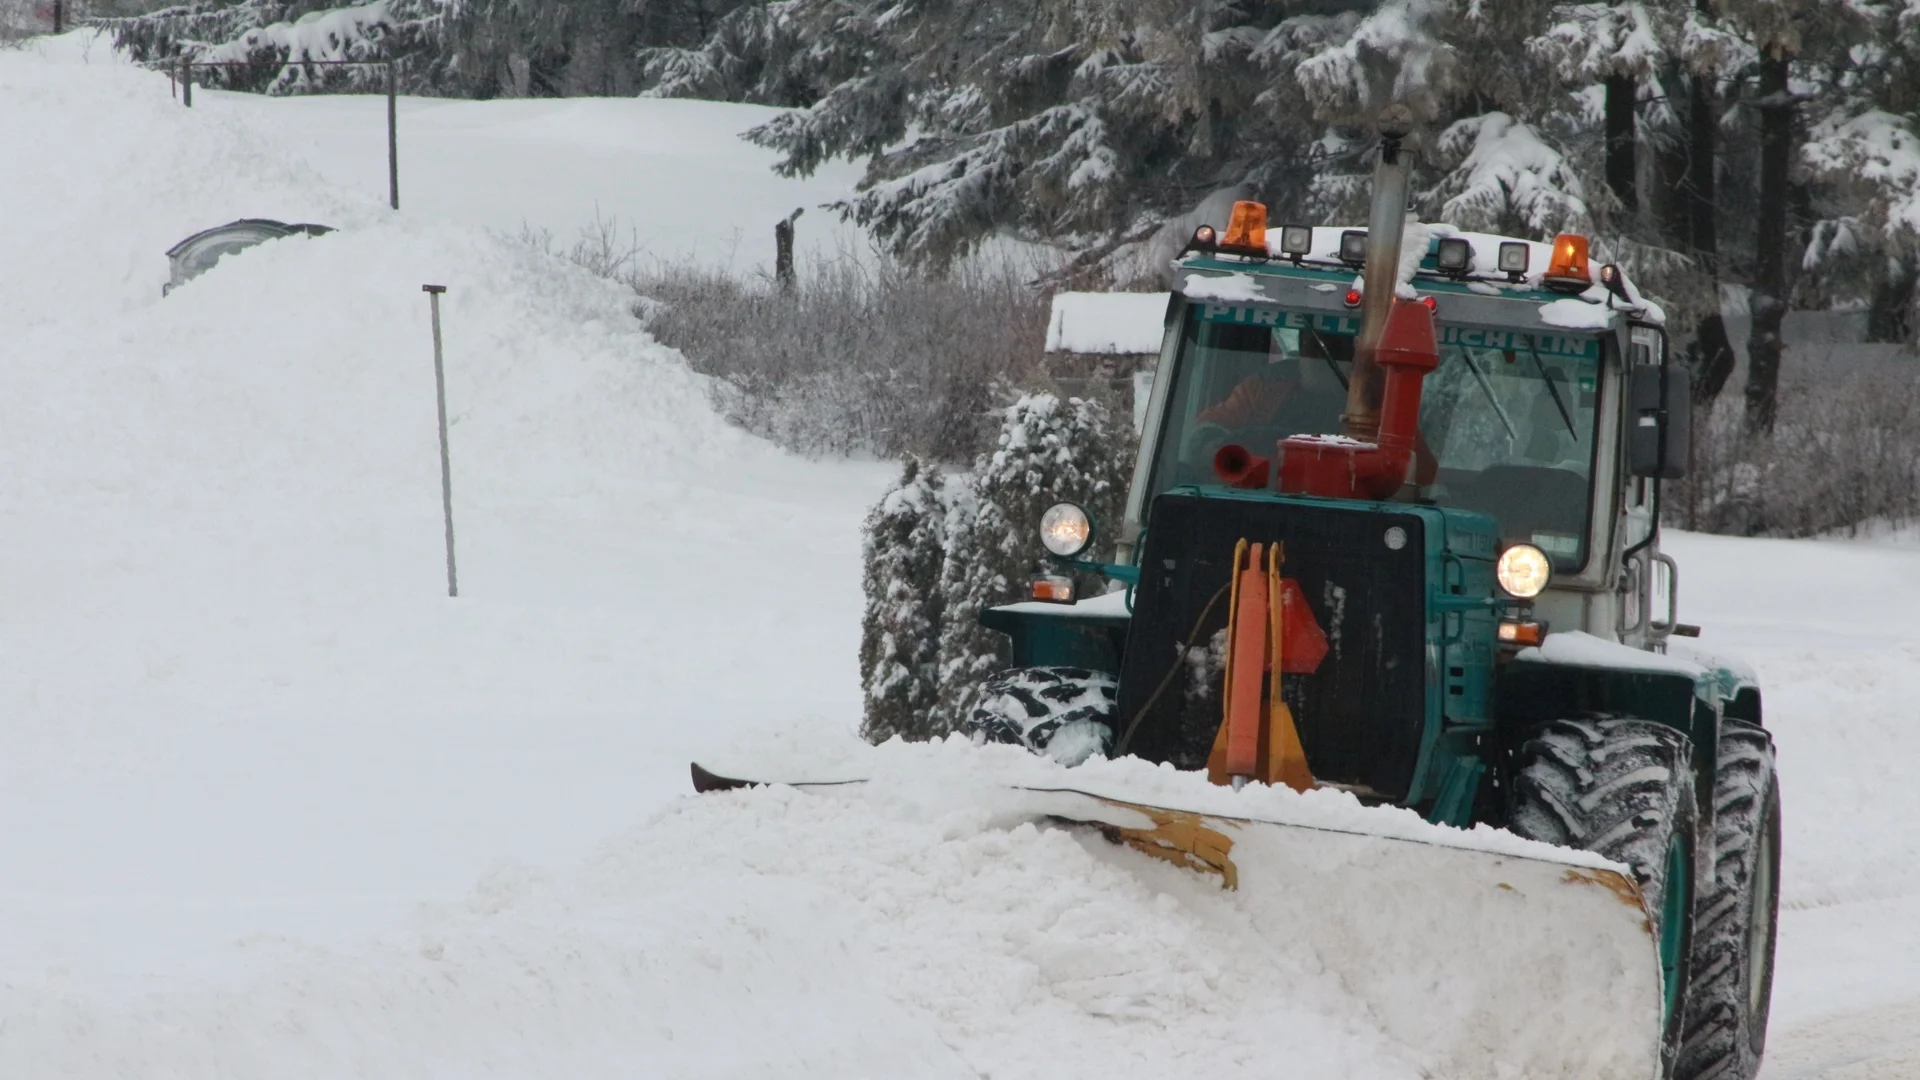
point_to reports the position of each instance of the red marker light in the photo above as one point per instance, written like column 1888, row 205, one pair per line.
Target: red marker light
column 1353, row 297
column 1432, row 304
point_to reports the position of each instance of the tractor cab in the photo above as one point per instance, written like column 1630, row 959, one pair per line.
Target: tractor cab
column 1529, row 417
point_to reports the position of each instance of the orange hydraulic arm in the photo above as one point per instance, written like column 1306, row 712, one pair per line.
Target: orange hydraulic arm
column 1258, row 739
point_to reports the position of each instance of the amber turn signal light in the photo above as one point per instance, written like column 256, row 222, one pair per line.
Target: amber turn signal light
column 1521, row 632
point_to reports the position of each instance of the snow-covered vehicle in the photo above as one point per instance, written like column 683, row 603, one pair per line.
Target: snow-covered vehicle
column 1398, row 535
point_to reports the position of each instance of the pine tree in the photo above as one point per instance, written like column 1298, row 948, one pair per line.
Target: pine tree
column 467, row 48
column 275, row 36
column 902, row 553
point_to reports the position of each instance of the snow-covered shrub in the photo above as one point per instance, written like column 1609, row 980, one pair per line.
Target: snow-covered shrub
column 859, row 357
column 1050, row 450
column 940, row 551
column 1844, row 454
column 902, row 551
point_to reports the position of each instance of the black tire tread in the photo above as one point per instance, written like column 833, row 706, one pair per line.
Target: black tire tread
column 1720, row 1037
column 1028, row 706
column 1618, row 787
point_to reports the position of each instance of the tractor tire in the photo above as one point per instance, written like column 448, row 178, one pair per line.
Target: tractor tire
column 1738, row 917
column 1065, row 713
column 1623, row 788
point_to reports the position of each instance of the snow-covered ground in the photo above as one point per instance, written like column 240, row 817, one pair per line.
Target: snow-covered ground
column 272, row 805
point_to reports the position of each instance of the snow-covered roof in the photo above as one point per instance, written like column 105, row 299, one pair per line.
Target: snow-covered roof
column 1125, row 324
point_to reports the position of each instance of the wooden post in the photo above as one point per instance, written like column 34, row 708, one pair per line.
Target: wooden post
column 393, row 142
column 186, row 83
column 783, row 250
column 59, row 16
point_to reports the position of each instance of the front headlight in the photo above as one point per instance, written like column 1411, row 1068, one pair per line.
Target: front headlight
column 1066, row 530
column 1523, row 571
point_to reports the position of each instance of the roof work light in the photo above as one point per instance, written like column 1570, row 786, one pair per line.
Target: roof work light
column 1455, row 256
column 1514, row 258
column 1296, row 241
column 1353, row 247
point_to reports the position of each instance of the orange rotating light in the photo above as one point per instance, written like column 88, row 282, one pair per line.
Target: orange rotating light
column 1246, row 229
column 1567, row 271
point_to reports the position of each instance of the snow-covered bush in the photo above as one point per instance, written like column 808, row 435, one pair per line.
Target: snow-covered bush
column 1844, row 454
column 861, row 356
column 938, row 552
column 902, row 551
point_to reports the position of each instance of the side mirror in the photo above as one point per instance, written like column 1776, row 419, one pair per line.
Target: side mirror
column 1660, row 424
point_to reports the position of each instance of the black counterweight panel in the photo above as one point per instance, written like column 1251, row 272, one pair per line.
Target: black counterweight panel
column 1361, row 713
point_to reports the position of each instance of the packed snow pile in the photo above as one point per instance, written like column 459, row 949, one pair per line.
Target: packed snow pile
column 953, row 771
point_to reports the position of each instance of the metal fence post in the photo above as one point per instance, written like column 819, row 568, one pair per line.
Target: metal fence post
column 393, row 142
column 446, row 463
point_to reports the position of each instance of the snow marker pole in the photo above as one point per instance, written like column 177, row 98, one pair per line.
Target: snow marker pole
column 446, row 462
column 393, row 144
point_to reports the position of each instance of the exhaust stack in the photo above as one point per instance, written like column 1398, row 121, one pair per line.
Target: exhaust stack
column 1396, row 349
column 1386, row 223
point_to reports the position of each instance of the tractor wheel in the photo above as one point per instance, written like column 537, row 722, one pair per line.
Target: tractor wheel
column 1738, row 916
column 1622, row 788
column 1064, row 713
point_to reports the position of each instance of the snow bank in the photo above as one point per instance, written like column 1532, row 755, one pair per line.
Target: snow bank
column 956, row 770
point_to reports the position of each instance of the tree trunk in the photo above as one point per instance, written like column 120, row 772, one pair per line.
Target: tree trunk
column 1621, row 91
column 1668, row 200
column 1711, row 352
column 1703, row 129
column 1770, row 243
column 1711, row 357
column 1890, row 312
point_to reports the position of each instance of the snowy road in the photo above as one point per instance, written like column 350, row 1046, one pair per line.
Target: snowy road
column 1831, row 627
column 274, row 806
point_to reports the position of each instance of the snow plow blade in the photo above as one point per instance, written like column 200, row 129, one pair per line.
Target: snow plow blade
column 1481, row 963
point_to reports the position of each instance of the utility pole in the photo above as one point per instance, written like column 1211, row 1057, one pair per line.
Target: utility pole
column 59, row 16
column 446, row 462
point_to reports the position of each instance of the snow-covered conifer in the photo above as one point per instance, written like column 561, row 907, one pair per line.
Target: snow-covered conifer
column 1050, row 450
column 902, row 552
column 277, row 36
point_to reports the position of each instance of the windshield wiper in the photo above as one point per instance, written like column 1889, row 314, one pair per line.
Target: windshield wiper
column 1551, row 389
column 1486, row 388
column 1327, row 355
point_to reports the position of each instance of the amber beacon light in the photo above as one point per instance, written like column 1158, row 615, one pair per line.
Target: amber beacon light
column 1567, row 271
column 1246, row 229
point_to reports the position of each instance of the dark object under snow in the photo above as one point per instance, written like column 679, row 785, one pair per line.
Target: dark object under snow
column 196, row 254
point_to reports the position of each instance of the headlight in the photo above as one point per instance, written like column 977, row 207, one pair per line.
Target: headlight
column 1523, row 570
column 1065, row 530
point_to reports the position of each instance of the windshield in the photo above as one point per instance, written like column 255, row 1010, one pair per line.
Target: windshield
column 1506, row 422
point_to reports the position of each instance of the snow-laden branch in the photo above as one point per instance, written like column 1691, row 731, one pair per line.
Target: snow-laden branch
column 1506, row 175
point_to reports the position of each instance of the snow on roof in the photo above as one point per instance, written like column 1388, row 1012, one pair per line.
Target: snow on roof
column 1126, row 324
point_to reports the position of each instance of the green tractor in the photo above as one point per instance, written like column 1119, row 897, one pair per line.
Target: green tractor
column 1399, row 536
column 1393, row 541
